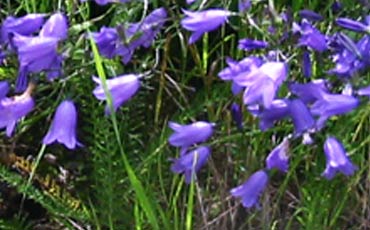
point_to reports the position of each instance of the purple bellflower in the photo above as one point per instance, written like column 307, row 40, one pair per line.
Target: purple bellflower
column 14, row 108
column 278, row 158
column 191, row 162
column 352, row 25
column 238, row 69
column 364, row 91
column 203, row 21
column 63, row 127
column 190, row 1
column 187, row 135
column 310, row 15
column 122, row 89
column 106, row 40
column 336, row 159
column 278, row 110
column 104, row 2
column 250, row 191
column 332, row 104
column 309, row 92
column 263, row 83
column 310, row 36
column 302, row 118
column 248, row 44
column 25, row 25
column 56, row 26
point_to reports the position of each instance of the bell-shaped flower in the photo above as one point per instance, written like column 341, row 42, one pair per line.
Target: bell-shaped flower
column 302, row 118
column 239, row 69
column 25, row 25
column 203, row 21
column 56, row 26
column 63, row 127
column 310, row 36
column 278, row 110
column 309, row 92
column 36, row 53
column 187, row 135
column 191, row 162
column 250, row 191
column 121, row 88
column 278, row 158
column 352, row 25
column 14, row 108
column 336, row 159
column 262, row 83
column 106, row 41
column 249, row 44
column 332, row 104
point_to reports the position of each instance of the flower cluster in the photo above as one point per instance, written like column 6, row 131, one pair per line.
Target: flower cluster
column 307, row 105
column 36, row 43
column 185, row 136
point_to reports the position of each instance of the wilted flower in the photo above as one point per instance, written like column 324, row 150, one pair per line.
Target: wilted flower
column 203, row 21
column 191, row 162
column 122, row 89
column 250, row 191
column 336, row 159
column 187, row 135
column 14, row 108
column 278, row 158
column 310, row 15
column 63, row 127
column 248, row 44
column 25, row 25
column 332, row 104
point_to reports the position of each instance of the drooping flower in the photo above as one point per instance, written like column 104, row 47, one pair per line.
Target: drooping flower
column 302, row 118
column 191, row 162
column 25, row 25
column 122, row 89
column 332, row 104
column 278, row 110
column 250, row 191
column 249, row 44
column 278, row 157
column 14, row 108
column 336, row 159
column 311, row 91
column 187, row 135
column 203, row 21
column 310, row 36
column 263, row 83
column 352, row 25
column 56, row 26
column 63, row 127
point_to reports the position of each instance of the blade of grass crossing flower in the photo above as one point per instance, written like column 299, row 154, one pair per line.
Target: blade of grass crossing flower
column 190, row 206
column 143, row 199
